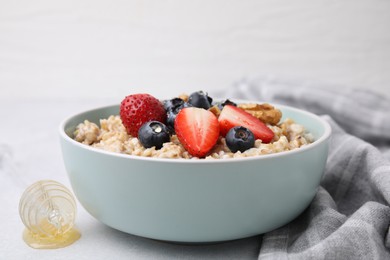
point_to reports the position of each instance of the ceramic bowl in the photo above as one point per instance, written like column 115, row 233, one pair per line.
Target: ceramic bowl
column 195, row 201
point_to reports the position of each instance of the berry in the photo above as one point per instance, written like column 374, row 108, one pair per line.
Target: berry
column 153, row 133
column 240, row 139
column 172, row 103
column 173, row 107
column 197, row 130
column 200, row 99
column 232, row 116
column 137, row 109
column 220, row 105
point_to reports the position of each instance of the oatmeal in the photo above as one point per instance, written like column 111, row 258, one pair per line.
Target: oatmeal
column 192, row 127
column 112, row 136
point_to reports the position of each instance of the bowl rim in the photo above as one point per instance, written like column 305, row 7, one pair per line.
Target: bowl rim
column 323, row 138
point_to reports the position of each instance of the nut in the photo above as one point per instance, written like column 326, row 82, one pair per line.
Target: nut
column 184, row 97
column 264, row 112
column 215, row 110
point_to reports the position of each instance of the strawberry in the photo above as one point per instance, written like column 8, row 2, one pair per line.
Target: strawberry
column 197, row 130
column 137, row 109
column 232, row 116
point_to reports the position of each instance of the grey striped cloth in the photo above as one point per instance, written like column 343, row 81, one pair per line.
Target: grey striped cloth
column 350, row 215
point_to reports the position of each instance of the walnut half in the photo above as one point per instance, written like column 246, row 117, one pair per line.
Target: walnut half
column 264, row 112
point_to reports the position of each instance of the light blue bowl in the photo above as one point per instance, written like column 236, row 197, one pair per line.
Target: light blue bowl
column 195, row 200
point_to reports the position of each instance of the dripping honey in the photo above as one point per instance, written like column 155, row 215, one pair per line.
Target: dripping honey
column 50, row 239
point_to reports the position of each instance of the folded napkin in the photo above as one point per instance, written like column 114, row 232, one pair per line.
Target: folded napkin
column 350, row 215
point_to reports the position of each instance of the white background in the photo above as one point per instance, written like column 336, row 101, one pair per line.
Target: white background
column 94, row 49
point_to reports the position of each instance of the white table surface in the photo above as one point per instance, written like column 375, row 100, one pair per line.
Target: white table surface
column 30, row 151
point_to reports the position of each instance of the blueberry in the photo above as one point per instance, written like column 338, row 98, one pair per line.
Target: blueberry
column 200, row 99
column 240, row 139
column 226, row 102
column 153, row 133
column 172, row 113
column 172, row 103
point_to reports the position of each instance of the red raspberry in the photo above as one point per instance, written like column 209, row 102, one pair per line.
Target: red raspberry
column 137, row 109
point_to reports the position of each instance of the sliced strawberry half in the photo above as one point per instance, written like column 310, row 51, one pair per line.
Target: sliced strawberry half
column 232, row 116
column 197, row 130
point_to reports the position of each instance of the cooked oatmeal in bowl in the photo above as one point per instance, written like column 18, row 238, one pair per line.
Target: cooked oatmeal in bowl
column 111, row 135
column 242, row 178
